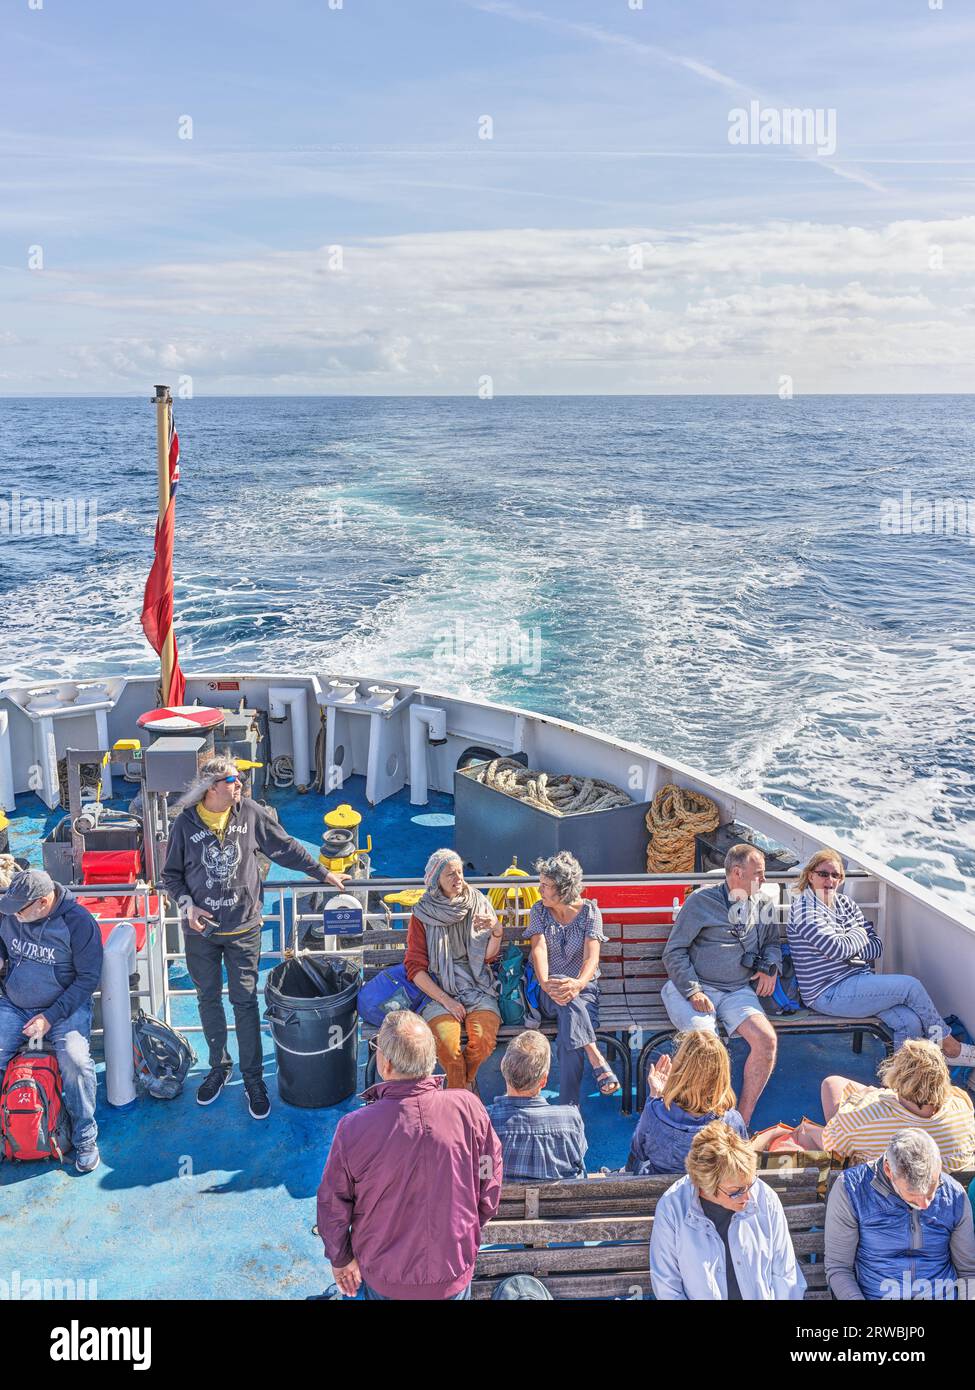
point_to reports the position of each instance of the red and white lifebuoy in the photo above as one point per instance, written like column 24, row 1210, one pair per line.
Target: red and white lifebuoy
column 180, row 719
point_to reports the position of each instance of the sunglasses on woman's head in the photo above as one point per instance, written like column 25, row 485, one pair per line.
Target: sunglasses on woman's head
column 827, row 873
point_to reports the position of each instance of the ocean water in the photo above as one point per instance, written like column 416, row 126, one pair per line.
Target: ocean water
column 710, row 576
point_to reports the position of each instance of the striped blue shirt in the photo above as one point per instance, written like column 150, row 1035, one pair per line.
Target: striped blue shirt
column 566, row 945
column 828, row 943
column 539, row 1142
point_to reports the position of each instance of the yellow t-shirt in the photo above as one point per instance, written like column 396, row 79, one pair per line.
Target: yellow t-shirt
column 214, row 820
column 864, row 1125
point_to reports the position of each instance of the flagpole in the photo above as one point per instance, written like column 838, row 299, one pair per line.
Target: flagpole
column 163, row 402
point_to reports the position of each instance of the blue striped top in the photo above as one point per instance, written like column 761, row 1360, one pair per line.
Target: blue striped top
column 828, row 943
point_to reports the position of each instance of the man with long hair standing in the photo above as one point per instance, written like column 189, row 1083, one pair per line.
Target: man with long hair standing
column 212, row 873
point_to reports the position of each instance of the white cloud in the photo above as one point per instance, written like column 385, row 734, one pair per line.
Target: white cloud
column 723, row 307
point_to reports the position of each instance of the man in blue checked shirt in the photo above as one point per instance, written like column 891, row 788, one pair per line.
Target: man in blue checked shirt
column 539, row 1142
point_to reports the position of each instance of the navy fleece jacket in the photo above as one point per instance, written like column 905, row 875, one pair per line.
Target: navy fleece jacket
column 54, row 965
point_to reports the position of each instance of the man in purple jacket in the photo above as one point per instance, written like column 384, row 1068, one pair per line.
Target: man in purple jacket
column 411, row 1179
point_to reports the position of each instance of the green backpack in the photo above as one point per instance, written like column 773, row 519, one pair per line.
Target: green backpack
column 511, row 1001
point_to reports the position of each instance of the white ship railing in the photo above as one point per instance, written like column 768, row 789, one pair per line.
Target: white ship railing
column 150, row 954
column 288, row 918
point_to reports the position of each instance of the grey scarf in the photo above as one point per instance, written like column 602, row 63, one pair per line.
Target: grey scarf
column 449, row 924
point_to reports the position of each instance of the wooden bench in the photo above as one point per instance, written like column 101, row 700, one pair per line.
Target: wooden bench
column 634, row 974
column 631, row 1013
column 383, row 947
column 590, row 1238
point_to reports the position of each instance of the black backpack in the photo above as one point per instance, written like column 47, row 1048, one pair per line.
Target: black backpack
column 162, row 1057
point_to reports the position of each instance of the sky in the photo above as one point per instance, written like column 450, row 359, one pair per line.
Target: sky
column 486, row 196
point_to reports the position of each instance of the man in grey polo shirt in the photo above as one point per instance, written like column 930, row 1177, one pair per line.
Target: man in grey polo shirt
column 722, row 954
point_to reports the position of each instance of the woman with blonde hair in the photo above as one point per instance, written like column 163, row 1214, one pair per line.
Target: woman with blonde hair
column 720, row 1232
column 685, row 1093
column 832, row 946
column 915, row 1092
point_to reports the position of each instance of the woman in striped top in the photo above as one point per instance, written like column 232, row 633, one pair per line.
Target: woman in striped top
column 915, row 1093
column 831, row 945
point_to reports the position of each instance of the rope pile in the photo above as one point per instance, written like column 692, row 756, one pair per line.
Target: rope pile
column 281, row 771
column 562, row 795
column 8, row 867
column 676, row 815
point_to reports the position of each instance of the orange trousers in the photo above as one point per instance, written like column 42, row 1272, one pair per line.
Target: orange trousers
column 459, row 1063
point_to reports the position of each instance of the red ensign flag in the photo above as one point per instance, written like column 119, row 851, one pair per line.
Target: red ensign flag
column 157, row 602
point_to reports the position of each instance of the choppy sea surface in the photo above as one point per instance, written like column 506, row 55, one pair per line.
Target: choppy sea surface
column 719, row 578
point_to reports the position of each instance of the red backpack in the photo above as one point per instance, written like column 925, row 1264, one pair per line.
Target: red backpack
column 33, row 1121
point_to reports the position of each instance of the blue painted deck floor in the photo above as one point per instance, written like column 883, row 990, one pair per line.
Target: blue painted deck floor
column 208, row 1203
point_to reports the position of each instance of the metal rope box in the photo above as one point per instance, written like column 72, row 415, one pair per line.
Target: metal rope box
column 491, row 828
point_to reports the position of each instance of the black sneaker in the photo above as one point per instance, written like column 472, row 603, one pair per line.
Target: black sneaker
column 213, row 1084
column 257, row 1099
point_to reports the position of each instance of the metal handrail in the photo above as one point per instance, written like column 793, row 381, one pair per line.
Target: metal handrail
column 146, row 918
column 160, row 993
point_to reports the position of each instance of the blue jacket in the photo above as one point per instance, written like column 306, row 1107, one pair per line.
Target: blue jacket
column 894, row 1239
column 52, row 966
column 663, row 1136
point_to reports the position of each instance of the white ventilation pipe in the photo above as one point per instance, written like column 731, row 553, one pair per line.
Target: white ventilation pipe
column 118, row 964
column 6, row 764
column 426, row 723
column 285, row 701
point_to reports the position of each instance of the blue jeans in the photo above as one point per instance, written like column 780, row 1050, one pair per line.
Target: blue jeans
column 369, row 1294
column 576, row 1024
column 900, row 1001
column 69, row 1038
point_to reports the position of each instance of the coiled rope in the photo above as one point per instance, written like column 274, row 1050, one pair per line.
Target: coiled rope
column 676, row 815
column 8, row 867
column 281, row 771
column 562, row 795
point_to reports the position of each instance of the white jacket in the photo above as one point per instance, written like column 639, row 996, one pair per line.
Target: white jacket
column 687, row 1256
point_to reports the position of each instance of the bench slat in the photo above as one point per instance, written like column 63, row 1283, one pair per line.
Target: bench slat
column 590, row 1258
column 546, row 1229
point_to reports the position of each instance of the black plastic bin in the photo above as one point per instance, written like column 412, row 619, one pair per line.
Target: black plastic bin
column 311, row 1007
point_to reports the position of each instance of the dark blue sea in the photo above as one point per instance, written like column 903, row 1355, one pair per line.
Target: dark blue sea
column 711, row 576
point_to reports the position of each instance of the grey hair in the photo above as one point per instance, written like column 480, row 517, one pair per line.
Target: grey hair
column 565, row 872
column 527, row 1060
column 407, row 1044
column 436, row 864
column 738, row 855
column 212, row 770
column 914, row 1157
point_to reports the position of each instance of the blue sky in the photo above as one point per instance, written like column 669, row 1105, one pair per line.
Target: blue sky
column 463, row 258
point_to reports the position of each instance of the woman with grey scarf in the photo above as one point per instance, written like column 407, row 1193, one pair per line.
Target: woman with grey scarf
column 452, row 938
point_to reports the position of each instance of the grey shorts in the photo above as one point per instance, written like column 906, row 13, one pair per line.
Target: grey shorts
column 731, row 1008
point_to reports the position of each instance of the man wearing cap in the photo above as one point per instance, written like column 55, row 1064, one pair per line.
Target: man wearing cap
column 50, row 966
column 212, row 874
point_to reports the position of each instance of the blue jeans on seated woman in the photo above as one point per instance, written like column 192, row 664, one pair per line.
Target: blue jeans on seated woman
column 900, row 1001
column 69, row 1038
column 576, row 1023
